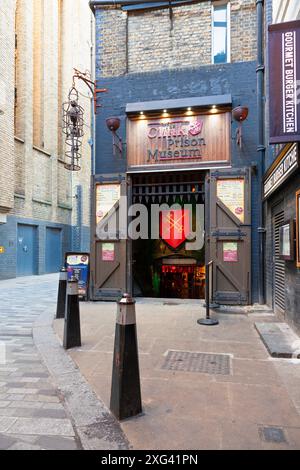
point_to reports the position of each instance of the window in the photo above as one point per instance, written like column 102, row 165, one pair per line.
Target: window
column 220, row 33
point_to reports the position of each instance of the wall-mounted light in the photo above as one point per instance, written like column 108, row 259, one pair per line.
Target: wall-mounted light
column 240, row 114
column 113, row 124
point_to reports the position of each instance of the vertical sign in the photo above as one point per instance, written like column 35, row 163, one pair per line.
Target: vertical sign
column 284, row 70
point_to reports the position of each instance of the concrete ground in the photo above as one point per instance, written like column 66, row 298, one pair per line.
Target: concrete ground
column 255, row 406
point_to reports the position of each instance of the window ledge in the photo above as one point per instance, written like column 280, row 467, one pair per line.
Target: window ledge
column 19, row 139
column 40, row 201
column 65, row 206
column 41, row 151
column 20, row 196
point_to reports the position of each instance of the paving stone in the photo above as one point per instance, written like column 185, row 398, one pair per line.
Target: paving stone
column 24, row 446
column 23, row 391
column 6, row 423
column 41, row 426
column 53, row 443
column 6, row 441
column 4, row 404
column 18, row 412
column 42, row 398
column 46, row 413
column 279, row 339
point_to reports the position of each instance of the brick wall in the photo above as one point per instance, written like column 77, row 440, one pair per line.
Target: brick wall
column 34, row 184
column 7, row 39
column 141, row 41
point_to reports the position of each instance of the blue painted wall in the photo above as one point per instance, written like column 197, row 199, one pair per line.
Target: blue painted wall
column 8, row 239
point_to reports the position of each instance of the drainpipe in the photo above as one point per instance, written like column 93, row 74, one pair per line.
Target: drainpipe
column 260, row 71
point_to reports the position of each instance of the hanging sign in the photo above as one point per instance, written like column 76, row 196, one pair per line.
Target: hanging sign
column 232, row 193
column 284, row 71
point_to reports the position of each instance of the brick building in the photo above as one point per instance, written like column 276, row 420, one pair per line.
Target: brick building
column 282, row 178
column 168, row 66
column 45, row 210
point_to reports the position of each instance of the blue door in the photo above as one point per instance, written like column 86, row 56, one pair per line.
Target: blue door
column 27, row 250
column 53, row 250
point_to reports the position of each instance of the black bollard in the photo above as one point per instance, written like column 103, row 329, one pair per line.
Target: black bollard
column 126, row 400
column 62, row 294
column 72, row 335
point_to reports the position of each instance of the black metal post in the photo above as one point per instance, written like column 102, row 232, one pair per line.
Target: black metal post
column 208, row 321
column 62, row 294
column 126, row 400
column 72, row 335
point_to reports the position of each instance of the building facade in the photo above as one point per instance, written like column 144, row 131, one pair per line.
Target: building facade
column 282, row 178
column 175, row 71
column 45, row 210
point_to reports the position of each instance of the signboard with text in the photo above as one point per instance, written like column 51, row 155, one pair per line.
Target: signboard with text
column 284, row 166
column 284, row 71
column 180, row 141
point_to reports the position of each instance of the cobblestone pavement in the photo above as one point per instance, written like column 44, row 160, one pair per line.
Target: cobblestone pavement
column 32, row 412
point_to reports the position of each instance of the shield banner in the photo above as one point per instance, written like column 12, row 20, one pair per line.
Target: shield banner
column 175, row 227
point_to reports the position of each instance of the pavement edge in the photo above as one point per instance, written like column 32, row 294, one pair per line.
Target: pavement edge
column 96, row 427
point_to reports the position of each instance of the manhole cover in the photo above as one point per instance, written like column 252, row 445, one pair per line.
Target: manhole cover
column 215, row 364
column 272, row 434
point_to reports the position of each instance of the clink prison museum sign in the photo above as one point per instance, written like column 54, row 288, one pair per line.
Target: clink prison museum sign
column 179, row 140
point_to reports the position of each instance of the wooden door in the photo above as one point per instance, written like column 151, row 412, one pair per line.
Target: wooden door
column 108, row 255
column 229, row 235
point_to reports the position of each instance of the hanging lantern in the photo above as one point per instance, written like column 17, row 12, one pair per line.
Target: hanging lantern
column 73, row 129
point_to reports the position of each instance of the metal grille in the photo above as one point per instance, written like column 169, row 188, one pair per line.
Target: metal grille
column 279, row 264
column 170, row 188
column 215, row 364
column 270, row 434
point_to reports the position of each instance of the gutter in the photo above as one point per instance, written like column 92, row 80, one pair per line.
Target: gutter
column 94, row 4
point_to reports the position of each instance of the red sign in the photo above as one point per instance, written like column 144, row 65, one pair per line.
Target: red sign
column 174, row 227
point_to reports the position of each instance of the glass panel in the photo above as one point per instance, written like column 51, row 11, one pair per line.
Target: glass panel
column 220, row 25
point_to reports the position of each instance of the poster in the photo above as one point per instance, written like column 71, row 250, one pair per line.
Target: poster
column 108, row 252
column 232, row 193
column 78, row 265
column 107, row 195
column 286, row 246
column 230, row 252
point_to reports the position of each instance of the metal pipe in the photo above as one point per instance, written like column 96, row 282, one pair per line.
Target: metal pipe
column 100, row 3
column 260, row 71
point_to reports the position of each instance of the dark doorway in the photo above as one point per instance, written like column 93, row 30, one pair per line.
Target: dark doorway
column 161, row 270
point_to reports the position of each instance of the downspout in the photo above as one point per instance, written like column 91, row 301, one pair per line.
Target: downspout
column 260, row 71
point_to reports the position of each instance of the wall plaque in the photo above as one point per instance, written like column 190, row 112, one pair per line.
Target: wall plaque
column 107, row 195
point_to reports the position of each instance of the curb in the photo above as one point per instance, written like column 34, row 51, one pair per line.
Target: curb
column 96, row 427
